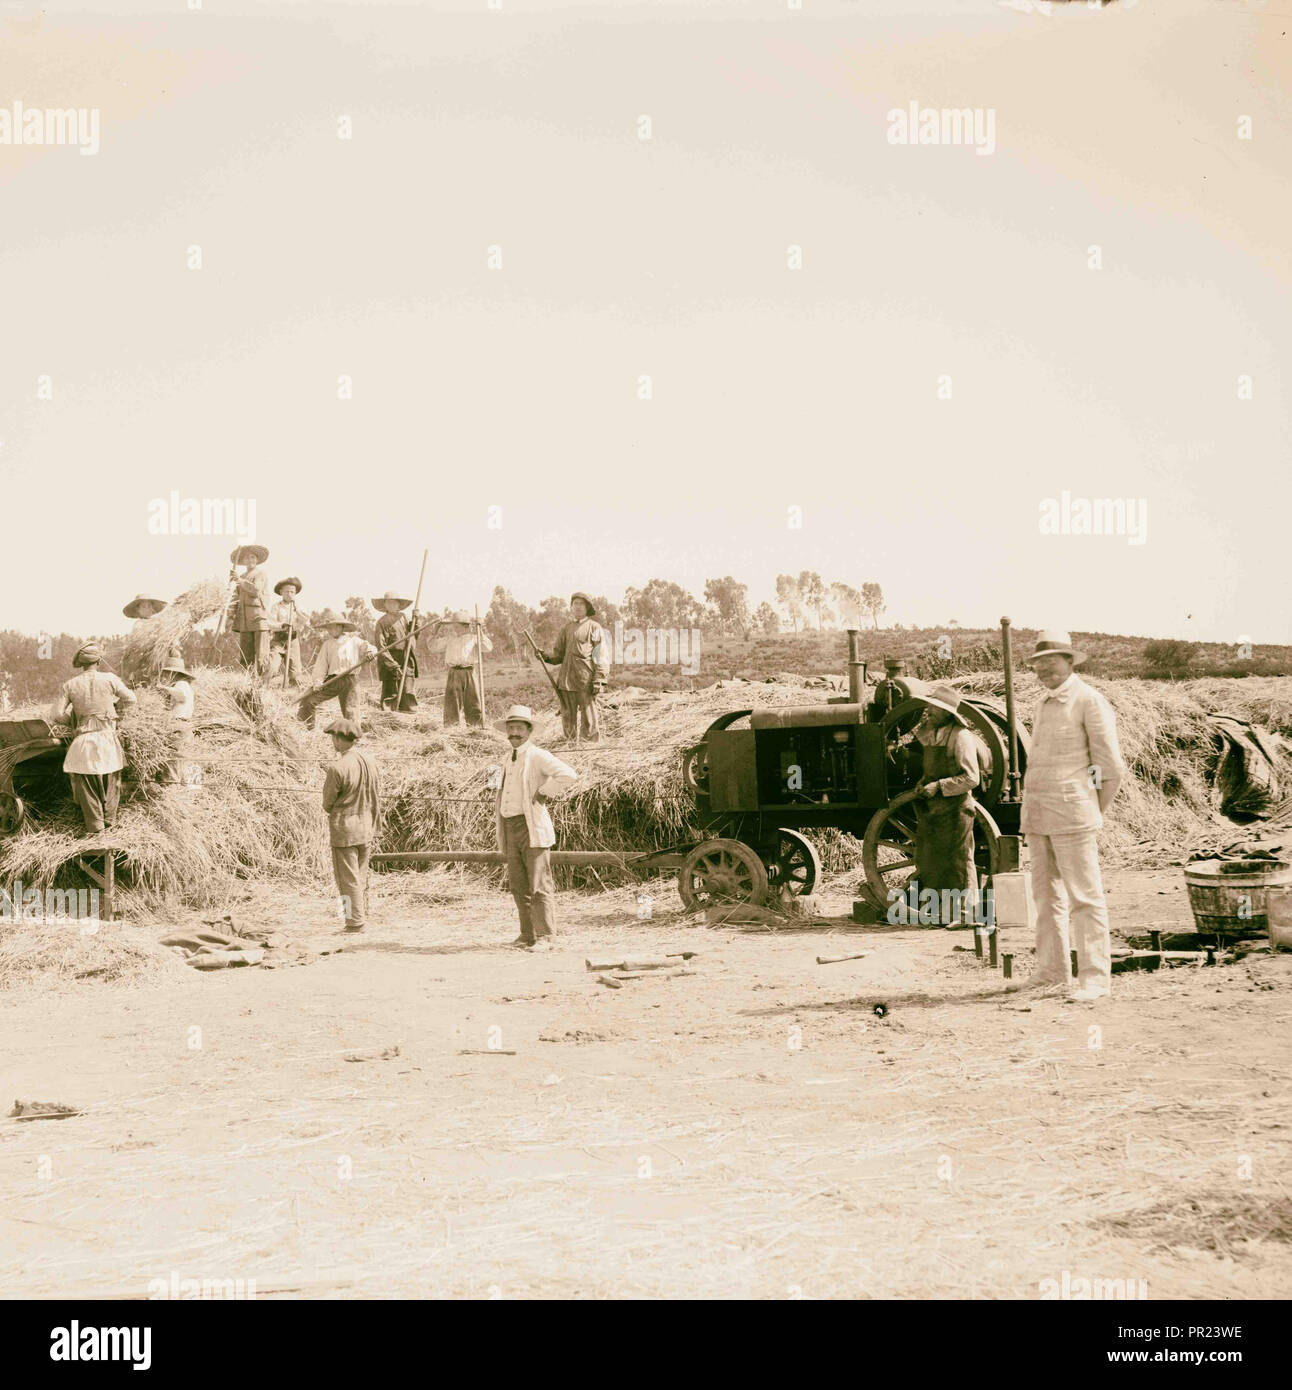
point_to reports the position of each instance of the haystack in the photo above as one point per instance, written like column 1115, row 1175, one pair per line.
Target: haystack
column 153, row 639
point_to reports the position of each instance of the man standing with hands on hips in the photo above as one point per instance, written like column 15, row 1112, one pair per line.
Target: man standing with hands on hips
column 1074, row 768
column 531, row 776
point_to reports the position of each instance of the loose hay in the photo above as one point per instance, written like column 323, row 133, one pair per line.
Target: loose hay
column 48, row 955
column 152, row 641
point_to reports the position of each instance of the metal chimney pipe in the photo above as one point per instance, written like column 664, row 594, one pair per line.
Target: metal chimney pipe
column 856, row 670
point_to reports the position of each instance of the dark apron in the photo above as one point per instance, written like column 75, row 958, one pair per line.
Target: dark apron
column 944, row 832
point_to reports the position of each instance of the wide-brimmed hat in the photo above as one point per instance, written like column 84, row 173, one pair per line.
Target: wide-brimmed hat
column 1053, row 642
column 347, row 728
column 945, row 697
column 249, row 555
column 88, row 654
column 131, row 610
column 460, row 617
column 521, row 712
column 176, row 665
column 331, row 618
column 291, row 579
column 382, row 604
column 587, row 598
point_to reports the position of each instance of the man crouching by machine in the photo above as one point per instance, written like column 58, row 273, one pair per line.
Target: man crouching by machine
column 944, row 832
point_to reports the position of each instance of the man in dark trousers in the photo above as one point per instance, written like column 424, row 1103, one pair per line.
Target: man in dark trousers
column 944, row 835
column 583, row 656
column 394, row 640
column 530, row 777
column 352, row 800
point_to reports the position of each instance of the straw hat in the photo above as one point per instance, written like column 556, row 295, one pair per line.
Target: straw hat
column 521, row 712
column 176, row 665
column 131, row 610
column 331, row 618
column 88, row 655
column 291, row 579
column 382, row 604
column 587, row 599
column 945, row 697
column 460, row 617
column 1053, row 642
column 249, row 555
column 347, row 728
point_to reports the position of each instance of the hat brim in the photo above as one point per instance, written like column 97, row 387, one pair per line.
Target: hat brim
column 1077, row 657
column 942, row 705
column 501, row 724
column 382, row 605
column 131, row 610
column 283, row 583
column 249, row 555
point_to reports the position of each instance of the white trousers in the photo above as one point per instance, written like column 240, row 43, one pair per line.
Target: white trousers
column 1065, row 872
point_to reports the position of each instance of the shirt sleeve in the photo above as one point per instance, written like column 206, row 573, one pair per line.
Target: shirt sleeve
column 963, row 751
column 320, row 664
column 1105, row 752
column 601, row 665
column 122, row 691
column 558, row 775
column 332, row 787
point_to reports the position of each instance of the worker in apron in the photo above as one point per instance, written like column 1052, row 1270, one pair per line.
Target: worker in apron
column 95, row 756
column 944, row 830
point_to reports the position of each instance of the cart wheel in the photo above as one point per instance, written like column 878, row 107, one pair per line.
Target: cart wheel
column 13, row 813
column 695, row 770
column 718, row 871
column 888, row 850
column 794, row 865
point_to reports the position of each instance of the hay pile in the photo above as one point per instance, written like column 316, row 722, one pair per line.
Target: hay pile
column 258, row 816
column 153, row 639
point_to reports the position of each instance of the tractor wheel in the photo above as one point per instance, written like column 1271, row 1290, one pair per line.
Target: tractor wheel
column 695, row 770
column 888, row 850
column 794, row 865
column 721, row 871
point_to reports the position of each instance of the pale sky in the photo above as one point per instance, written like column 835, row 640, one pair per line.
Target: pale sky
column 772, row 388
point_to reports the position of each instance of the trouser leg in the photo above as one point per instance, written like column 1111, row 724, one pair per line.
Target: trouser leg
column 294, row 675
column 87, row 788
column 516, row 836
column 247, row 648
column 348, row 693
column 590, row 715
column 471, row 699
column 350, row 868
column 569, row 712
column 452, row 696
column 1078, row 860
column 1051, row 904
column 542, row 892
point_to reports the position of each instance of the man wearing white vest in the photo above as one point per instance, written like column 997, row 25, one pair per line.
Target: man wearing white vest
column 1074, row 768
column 531, row 776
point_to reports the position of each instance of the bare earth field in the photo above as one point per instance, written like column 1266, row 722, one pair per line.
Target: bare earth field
column 753, row 1129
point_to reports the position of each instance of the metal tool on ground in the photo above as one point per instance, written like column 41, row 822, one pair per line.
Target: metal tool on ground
column 412, row 628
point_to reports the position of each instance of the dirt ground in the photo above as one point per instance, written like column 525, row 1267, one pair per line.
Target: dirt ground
column 751, row 1129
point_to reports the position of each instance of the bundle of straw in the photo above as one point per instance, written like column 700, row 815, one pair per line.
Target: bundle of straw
column 149, row 646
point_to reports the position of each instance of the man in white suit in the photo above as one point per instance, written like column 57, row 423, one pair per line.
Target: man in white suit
column 531, row 776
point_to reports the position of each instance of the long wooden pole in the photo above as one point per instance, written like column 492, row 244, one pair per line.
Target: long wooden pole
column 412, row 627
column 534, row 645
column 358, row 665
column 1007, row 654
column 287, row 662
column 480, row 665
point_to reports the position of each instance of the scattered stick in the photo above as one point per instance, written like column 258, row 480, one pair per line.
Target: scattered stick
column 834, row 960
column 486, row 1052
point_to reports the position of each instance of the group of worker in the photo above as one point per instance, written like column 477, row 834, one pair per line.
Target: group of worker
column 1074, row 769
column 1074, row 766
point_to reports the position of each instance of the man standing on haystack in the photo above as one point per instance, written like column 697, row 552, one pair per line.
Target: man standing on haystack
column 352, row 800
column 459, row 646
column 249, row 610
column 1074, row 768
column 95, row 757
column 582, row 655
column 333, row 679
column 530, row 778
column 395, row 646
column 285, row 622
column 944, row 832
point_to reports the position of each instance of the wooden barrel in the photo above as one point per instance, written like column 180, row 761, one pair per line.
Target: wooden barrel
column 1278, row 904
column 1229, row 895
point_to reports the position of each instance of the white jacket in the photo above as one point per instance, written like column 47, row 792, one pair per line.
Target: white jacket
column 545, row 773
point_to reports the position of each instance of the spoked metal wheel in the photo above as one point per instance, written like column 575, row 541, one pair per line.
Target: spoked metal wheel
column 795, row 864
column 888, row 850
column 721, row 871
column 695, row 770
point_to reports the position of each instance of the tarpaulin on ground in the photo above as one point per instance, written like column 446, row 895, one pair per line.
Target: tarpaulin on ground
column 1247, row 777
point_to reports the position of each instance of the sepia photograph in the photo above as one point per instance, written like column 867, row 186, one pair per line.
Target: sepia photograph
column 645, row 655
